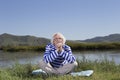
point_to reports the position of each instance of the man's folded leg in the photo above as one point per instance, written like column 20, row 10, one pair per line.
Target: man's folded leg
column 67, row 68
column 47, row 68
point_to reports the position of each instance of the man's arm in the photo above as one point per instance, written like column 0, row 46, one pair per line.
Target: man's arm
column 49, row 54
column 67, row 54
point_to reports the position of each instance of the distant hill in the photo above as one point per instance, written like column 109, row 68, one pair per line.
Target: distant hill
column 8, row 39
column 14, row 40
column 109, row 38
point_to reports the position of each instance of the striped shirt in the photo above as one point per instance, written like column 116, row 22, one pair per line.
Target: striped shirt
column 58, row 59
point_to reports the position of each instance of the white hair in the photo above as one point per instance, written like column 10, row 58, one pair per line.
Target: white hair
column 61, row 35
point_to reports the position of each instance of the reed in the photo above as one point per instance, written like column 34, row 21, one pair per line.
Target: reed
column 103, row 70
column 23, row 48
column 95, row 46
column 74, row 46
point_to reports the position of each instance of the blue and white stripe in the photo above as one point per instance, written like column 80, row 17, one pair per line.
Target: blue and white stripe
column 56, row 60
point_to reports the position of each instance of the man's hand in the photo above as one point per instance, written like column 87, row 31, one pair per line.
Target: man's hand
column 59, row 47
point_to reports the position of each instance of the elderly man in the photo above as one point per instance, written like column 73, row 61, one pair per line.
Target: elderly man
column 58, row 58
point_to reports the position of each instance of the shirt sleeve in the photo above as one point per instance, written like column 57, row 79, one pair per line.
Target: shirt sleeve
column 67, row 54
column 50, row 54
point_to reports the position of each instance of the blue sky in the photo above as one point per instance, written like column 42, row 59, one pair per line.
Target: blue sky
column 76, row 19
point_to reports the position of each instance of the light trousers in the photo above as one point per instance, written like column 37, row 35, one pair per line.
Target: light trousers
column 67, row 68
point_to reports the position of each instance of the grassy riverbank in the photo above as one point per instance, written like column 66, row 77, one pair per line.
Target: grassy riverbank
column 74, row 46
column 23, row 48
column 103, row 70
column 95, row 46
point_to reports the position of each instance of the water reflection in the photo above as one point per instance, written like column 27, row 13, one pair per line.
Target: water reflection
column 99, row 55
column 9, row 58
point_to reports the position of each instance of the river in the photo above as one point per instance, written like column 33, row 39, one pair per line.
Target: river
column 10, row 58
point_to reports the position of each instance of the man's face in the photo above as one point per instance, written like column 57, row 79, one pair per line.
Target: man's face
column 57, row 39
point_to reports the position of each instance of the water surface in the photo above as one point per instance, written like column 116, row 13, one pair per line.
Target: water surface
column 10, row 58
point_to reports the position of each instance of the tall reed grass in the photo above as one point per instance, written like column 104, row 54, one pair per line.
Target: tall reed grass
column 95, row 46
column 74, row 46
column 103, row 70
column 23, row 48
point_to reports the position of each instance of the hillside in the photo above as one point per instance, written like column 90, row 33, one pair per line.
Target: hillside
column 8, row 39
column 14, row 40
column 109, row 38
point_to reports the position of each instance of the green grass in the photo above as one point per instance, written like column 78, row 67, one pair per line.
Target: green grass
column 103, row 70
column 23, row 48
column 95, row 46
column 74, row 46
